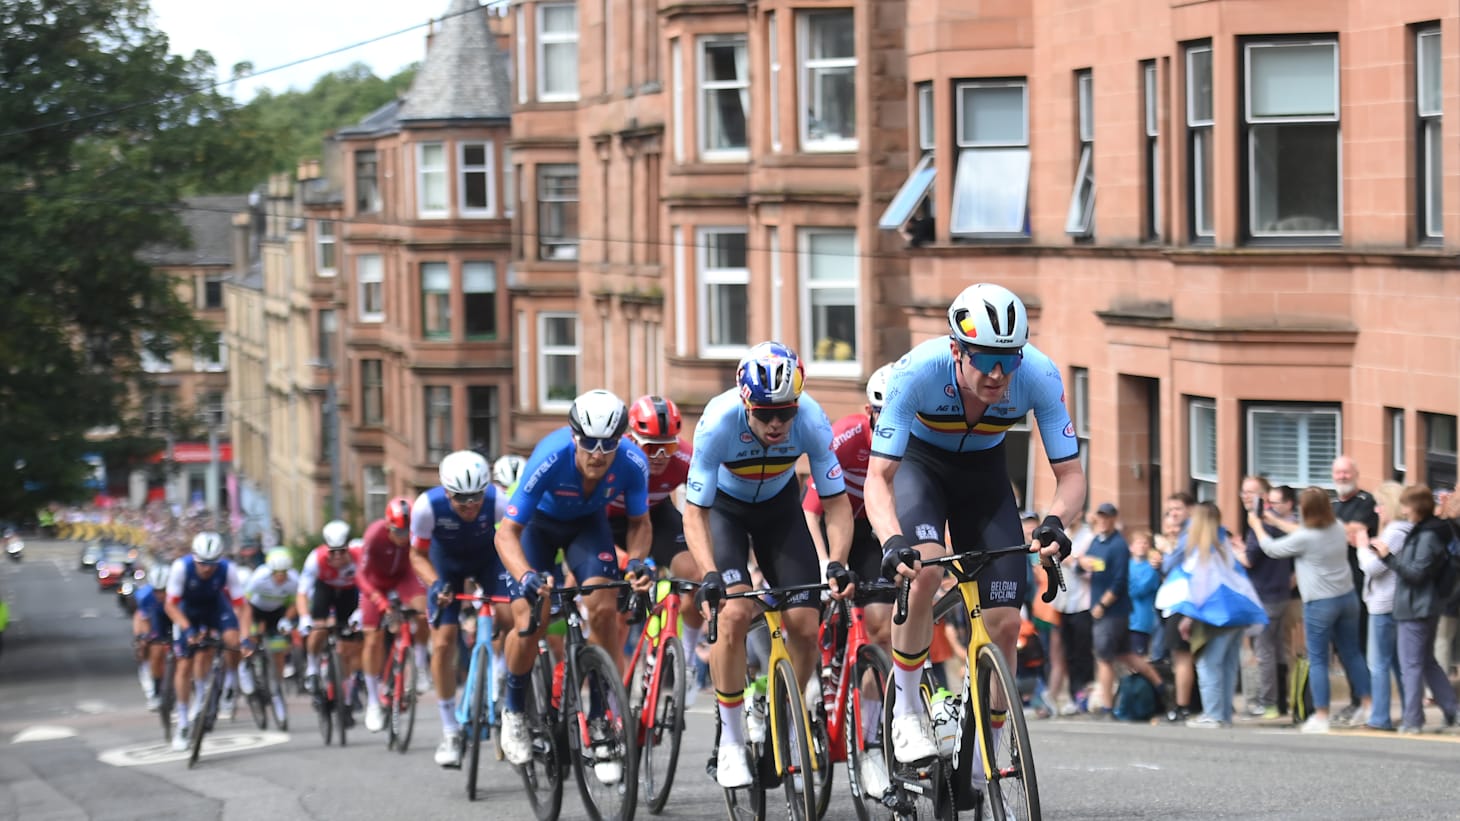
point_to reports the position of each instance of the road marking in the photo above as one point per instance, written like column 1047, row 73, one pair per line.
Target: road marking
column 94, row 708
column 42, row 732
column 89, row 614
column 139, row 755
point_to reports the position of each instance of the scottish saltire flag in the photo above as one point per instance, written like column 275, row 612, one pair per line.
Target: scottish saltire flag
column 1215, row 592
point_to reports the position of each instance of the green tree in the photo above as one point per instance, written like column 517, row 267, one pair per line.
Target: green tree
column 102, row 131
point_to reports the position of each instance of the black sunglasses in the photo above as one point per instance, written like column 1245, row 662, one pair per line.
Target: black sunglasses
column 468, row 498
column 784, row 413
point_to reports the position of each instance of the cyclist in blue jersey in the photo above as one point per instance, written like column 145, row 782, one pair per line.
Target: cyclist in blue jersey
column 204, row 591
column 742, row 491
column 938, row 462
column 153, row 632
column 562, row 504
column 451, row 531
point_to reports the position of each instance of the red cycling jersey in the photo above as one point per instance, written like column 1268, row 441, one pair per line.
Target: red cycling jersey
column 661, row 486
column 383, row 563
column 851, row 438
column 326, row 573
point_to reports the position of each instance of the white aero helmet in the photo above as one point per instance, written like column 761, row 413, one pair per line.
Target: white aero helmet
column 508, row 469
column 877, row 386
column 157, row 576
column 280, row 561
column 465, row 471
column 336, row 534
column 208, row 546
column 598, row 414
column 989, row 316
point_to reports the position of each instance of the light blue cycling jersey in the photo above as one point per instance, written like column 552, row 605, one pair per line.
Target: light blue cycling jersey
column 923, row 401
column 553, row 485
column 729, row 459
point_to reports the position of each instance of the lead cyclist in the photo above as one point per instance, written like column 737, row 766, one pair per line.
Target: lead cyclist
column 938, row 462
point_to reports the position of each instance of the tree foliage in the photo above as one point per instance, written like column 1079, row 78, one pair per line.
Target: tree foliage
column 102, row 131
column 300, row 120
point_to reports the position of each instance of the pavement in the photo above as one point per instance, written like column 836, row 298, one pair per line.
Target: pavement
column 77, row 743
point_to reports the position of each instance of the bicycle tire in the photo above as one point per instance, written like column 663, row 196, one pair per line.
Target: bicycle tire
column 476, row 715
column 594, row 669
column 821, row 772
column 741, row 803
column 1014, row 791
column 932, row 801
column 404, row 702
column 871, row 661
column 339, row 701
column 168, row 696
column 666, row 725
column 793, row 741
column 281, row 711
column 258, row 700
column 542, row 776
column 324, row 711
column 208, row 710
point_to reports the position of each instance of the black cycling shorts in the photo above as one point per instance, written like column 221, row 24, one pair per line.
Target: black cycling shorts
column 777, row 529
column 668, row 525
column 268, row 620
column 970, row 495
column 343, row 599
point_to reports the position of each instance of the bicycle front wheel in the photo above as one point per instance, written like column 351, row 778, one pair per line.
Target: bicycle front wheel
column 791, row 731
column 543, row 774
column 476, row 717
column 207, row 711
column 324, row 709
column 864, row 750
column 1013, row 791
column 666, row 711
column 337, row 688
column 168, row 694
column 606, row 762
column 258, row 700
column 403, row 701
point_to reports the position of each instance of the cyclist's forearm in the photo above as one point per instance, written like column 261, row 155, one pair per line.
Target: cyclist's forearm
column 425, row 571
column 838, row 526
column 813, row 524
column 697, row 536
column 174, row 613
column 877, row 494
column 640, row 537
column 1069, row 491
column 509, row 549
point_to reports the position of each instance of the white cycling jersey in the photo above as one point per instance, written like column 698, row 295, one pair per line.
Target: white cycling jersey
column 266, row 594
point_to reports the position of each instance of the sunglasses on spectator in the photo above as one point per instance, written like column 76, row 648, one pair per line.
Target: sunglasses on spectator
column 985, row 362
column 607, row 444
column 468, row 498
column 779, row 413
column 660, row 450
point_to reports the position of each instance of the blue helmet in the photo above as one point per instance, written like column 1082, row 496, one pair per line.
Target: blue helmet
column 770, row 374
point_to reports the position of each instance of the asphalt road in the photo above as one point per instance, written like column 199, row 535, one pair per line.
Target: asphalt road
column 71, row 715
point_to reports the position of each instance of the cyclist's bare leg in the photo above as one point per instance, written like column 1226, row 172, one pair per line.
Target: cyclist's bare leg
column 157, row 659
column 727, row 663
column 1003, row 626
column 350, row 656
column 684, row 566
column 443, row 660
column 315, row 641
column 522, row 650
column 877, row 621
column 916, row 634
column 604, row 622
column 373, row 651
column 801, row 625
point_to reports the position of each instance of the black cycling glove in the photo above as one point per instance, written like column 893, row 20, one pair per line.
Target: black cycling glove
column 1053, row 530
column 895, row 551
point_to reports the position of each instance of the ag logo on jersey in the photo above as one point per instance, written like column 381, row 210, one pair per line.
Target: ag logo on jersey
column 835, row 472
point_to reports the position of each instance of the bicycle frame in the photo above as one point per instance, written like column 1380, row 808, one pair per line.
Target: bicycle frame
column 834, row 700
column 484, row 628
column 666, row 610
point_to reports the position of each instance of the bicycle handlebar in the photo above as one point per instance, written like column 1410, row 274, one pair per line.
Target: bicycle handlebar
column 782, row 594
column 980, row 559
column 534, row 621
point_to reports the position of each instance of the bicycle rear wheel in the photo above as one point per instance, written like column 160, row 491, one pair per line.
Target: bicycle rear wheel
column 661, row 742
column 1014, row 791
column 208, row 711
column 476, row 717
column 603, row 742
column 278, row 704
column 792, row 733
column 337, row 695
column 168, row 694
column 543, row 775
column 258, row 700
column 324, row 709
column 403, row 701
column 874, row 667
column 741, row 803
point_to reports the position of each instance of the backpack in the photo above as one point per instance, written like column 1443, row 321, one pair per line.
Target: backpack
column 1135, row 700
column 1300, row 694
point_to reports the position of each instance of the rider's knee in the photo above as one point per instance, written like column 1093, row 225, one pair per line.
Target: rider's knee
column 735, row 617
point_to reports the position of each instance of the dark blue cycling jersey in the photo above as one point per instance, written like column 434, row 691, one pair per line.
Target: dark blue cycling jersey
column 729, row 459
column 150, row 605
column 553, row 485
column 923, row 401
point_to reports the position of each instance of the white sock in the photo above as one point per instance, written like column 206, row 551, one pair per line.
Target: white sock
column 690, row 638
column 909, row 702
column 372, row 690
column 245, row 679
column 732, row 721
column 423, row 660
column 350, row 690
column 311, row 665
column 447, row 708
column 144, row 677
column 230, row 681
column 182, row 715
column 199, row 693
column 978, row 776
column 871, row 718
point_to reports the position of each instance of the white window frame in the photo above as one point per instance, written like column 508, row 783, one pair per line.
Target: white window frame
column 439, row 272
column 844, row 368
column 705, row 92
column 321, row 241
column 1254, row 121
column 440, row 172
column 149, row 362
column 509, row 185
column 484, row 271
column 1080, row 220
column 926, row 122
column 201, row 364
column 485, row 169
column 1201, row 130
column 1400, row 460
column 1151, row 106
column 1431, row 142
column 676, row 97
column 1321, row 477
column 1013, row 158
column 521, row 55
column 563, row 248
column 545, row 39
column 377, row 491
column 367, row 274
column 807, row 67
column 428, row 393
column 917, row 187
column 545, row 350
column 373, row 386
column 773, row 45
column 1199, row 439
column 705, row 278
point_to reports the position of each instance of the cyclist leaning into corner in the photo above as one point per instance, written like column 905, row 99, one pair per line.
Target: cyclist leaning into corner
column 152, row 629
column 204, row 591
column 742, row 491
column 451, row 531
column 270, row 591
column 562, row 504
column 385, row 567
column 654, row 425
column 328, row 581
column 938, row 460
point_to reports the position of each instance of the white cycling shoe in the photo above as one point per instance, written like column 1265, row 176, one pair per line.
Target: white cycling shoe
column 911, row 741
column 374, row 718
column 516, row 746
column 732, row 767
column 448, row 752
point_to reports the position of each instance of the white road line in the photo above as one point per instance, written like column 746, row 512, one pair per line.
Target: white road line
column 42, row 732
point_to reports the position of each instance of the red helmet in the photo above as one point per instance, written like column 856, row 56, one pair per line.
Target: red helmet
column 654, row 418
column 398, row 513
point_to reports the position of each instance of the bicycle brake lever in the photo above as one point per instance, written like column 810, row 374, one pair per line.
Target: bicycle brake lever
column 1051, row 580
